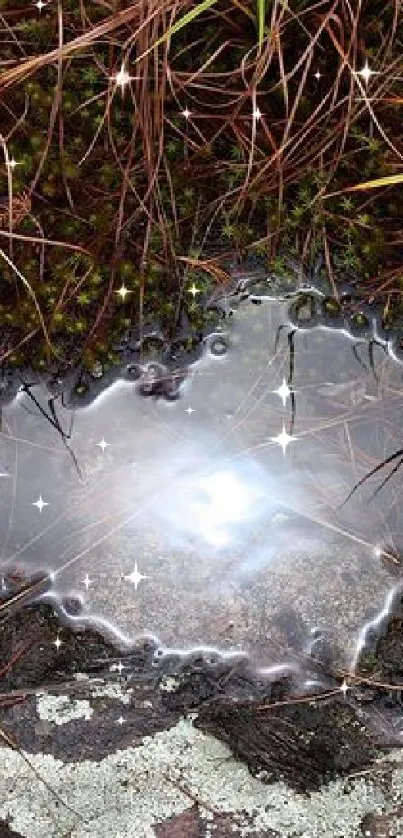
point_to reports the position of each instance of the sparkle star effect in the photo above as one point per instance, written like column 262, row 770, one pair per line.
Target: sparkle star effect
column 135, row 577
column 318, row 75
column 366, row 72
column 103, row 444
column 257, row 114
column 40, row 503
column 283, row 439
column 189, row 410
column 40, row 5
column 87, row 581
column 120, row 720
column 122, row 78
column 117, row 667
column 344, row 688
column 13, row 163
column 186, row 113
column 123, row 292
column 283, row 391
column 194, row 290
column 57, row 642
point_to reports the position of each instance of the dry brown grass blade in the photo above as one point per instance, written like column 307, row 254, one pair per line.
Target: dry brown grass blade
column 244, row 9
column 53, row 242
column 26, row 68
column 392, row 100
column 304, row 699
column 207, row 265
column 20, row 343
column 31, row 588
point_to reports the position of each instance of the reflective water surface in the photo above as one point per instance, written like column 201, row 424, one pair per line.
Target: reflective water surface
column 218, row 518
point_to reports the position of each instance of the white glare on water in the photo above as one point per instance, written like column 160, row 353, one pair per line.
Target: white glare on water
column 189, row 518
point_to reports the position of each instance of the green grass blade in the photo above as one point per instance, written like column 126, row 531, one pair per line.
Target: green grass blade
column 187, row 18
column 261, row 17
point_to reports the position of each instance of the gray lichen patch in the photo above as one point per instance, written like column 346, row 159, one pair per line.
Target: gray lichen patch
column 61, row 709
column 113, row 691
column 169, row 683
column 133, row 790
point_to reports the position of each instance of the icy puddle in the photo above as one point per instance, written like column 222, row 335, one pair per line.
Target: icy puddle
column 216, row 519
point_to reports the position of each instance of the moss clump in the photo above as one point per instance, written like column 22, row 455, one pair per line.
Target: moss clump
column 140, row 183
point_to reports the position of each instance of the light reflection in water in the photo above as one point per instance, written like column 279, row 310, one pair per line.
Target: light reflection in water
column 192, row 523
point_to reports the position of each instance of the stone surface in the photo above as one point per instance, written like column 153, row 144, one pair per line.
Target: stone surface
column 197, row 749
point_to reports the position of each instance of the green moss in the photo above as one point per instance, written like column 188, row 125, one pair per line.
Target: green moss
column 360, row 320
column 84, row 299
column 79, row 326
column 59, row 318
column 80, row 204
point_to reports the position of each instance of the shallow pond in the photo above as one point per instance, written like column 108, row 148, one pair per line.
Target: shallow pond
column 196, row 519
